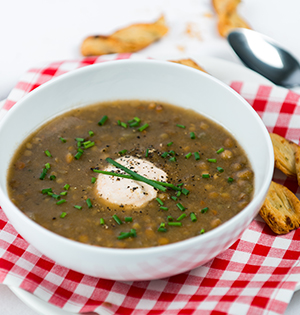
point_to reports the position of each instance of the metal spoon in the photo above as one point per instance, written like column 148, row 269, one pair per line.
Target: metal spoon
column 261, row 54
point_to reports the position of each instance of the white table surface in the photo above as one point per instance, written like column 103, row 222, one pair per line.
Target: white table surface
column 37, row 31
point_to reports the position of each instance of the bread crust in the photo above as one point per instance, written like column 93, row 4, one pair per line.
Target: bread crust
column 281, row 209
column 129, row 39
column 189, row 63
column 287, row 156
column 228, row 17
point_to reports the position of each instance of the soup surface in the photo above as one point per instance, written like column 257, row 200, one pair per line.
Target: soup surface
column 55, row 176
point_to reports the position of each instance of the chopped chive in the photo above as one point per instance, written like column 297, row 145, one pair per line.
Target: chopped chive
column 137, row 176
column 147, row 153
column 220, row 169
column 124, row 235
column 192, row 135
column 52, row 177
column 66, row 187
column 163, row 208
column 62, row 139
column 93, row 180
column 178, row 193
column 180, row 126
column 193, row 217
column 134, row 124
column 55, row 196
column 61, row 201
column 103, row 120
column 79, row 144
column 117, row 219
column 181, row 217
column 63, row 214
column 212, row 160
column 91, row 133
column 187, row 156
column 46, row 190
column 159, row 201
column 128, row 219
column 47, row 166
column 220, row 151
column 63, row 193
column 102, row 222
column 170, row 218
column 124, row 125
column 180, row 206
column 137, row 119
column 205, row 176
column 133, row 232
column 78, row 155
column 89, row 203
column 174, row 198
column 79, row 139
column 48, row 153
column 50, row 193
column 185, row 191
column 143, row 127
column 165, row 154
column 230, row 179
column 172, row 159
column 204, row 210
column 122, row 152
column 197, row 156
column 172, row 152
column 202, row 231
column 175, row 223
column 169, row 144
column 162, row 229
column 88, row 144
column 79, row 150
column 151, row 182
column 78, row 207
column 181, row 184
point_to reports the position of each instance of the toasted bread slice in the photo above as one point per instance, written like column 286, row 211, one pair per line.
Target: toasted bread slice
column 130, row 39
column 225, row 6
column 228, row 17
column 229, row 22
column 287, row 156
column 189, row 63
column 281, row 209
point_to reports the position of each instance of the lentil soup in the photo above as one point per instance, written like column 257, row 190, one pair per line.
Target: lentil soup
column 57, row 176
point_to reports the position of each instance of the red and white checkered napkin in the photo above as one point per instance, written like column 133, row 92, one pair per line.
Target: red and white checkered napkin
column 256, row 275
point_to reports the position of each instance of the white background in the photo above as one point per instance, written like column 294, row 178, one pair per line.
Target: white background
column 37, row 31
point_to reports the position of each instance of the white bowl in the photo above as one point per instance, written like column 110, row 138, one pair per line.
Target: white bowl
column 144, row 80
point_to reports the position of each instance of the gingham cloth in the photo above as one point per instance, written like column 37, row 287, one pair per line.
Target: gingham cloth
column 256, row 275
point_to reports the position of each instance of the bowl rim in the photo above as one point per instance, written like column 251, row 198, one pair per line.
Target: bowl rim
column 154, row 249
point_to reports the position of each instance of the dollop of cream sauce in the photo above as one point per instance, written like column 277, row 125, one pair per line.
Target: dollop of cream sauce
column 128, row 192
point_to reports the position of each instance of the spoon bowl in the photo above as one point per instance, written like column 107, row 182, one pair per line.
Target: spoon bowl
column 263, row 55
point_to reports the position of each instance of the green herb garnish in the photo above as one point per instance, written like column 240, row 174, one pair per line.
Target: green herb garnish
column 89, row 203
column 142, row 128
column 48, row 153
column 103, row 120
column 117, row 219
column 181, row 217
column 61, row 201
column 204, row 210
column 197, row 156
column 193, row 217
column 180, row 206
